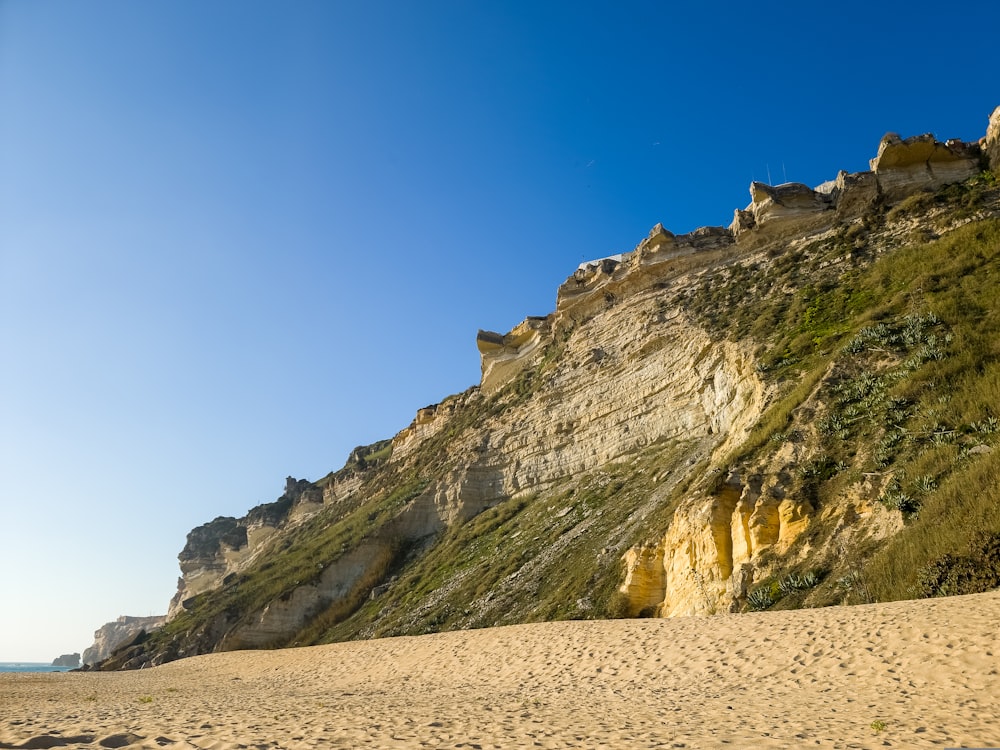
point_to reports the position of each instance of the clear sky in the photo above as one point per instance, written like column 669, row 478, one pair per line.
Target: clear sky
column 239, row 238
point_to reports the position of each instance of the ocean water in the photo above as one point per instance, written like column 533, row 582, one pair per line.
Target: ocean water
column 29, row 666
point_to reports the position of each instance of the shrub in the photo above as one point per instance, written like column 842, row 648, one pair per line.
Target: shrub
column 972, row 573
column 618, row 606
column 761, row 598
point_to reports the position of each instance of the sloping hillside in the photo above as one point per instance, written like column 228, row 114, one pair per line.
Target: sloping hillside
column 799, row 409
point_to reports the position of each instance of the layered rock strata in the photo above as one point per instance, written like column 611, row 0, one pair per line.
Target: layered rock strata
column 900, row 168
column 505, row 355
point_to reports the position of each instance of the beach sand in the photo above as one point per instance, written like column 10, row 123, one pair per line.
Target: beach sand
column 904, row 674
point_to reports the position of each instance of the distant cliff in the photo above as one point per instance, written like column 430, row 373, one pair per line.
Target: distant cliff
column 786, row 411
column 67, row 660
column 111, row 635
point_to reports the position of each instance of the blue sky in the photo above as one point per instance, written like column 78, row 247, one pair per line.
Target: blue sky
column 239, row 238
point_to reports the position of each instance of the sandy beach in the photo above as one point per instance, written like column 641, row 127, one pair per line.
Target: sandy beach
column 904, row 674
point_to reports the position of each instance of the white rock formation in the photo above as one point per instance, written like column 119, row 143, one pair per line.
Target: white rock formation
column 114, row 634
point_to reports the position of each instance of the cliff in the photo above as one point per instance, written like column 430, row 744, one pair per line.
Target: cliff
column 114, row 634
column 782, row 412
column 67, row 660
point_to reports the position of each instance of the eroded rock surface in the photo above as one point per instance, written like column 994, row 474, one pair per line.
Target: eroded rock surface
column 904, row 166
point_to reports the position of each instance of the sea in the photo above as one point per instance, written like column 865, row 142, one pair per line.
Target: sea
column 29, row 666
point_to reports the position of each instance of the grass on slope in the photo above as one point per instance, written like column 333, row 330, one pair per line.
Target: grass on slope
column 894, row 355
column 911, row 398
column 550, row 556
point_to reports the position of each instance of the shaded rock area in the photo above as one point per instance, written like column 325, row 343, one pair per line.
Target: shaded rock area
column 112, row 635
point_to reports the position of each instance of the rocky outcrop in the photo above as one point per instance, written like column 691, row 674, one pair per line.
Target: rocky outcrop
column 110, row 636
column 67, row 660
column 921, row 162
column 790, row 203
column 504, row 355
column 210, row 551
column 428, row 422
column 600, row 284
column 856, row 194
column 991, row 143
column 705, row 561
column 644, row 579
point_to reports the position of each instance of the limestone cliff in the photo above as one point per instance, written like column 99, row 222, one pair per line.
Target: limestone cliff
column 110, row 636
column 701, row 425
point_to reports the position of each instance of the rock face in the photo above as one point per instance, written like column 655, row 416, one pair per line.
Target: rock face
column 110, row 636
column 67, row 660
column 505, row 355
column 991, row 143
column 920, row 162
column 791, row 202
column 705, row 561
column 226, row 545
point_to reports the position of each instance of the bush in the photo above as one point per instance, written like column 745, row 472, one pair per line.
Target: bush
column 971, row 573
column 618, row 606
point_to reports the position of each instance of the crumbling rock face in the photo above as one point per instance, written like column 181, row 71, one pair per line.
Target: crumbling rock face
column 644, row 579
column 855, row 194
column 284, row 616
column 792, row 200
column 633, row 374
column 900, row 168
column 428, row 422
column 505, row 355
column 206, row 558
column 920, row 162
column 705, row 560
column 462, row 495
